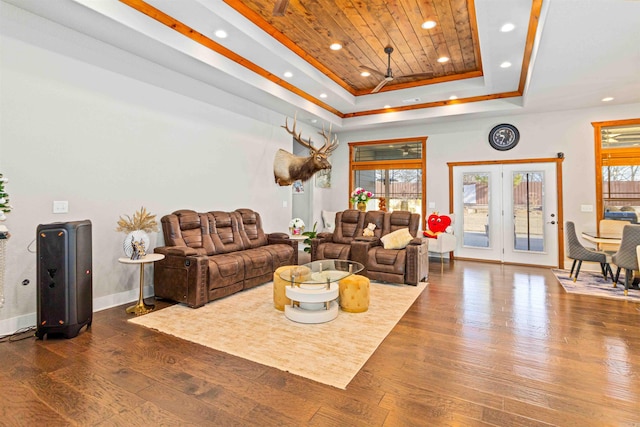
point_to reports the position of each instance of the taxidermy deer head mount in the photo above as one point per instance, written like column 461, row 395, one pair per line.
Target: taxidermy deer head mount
column 288, row 168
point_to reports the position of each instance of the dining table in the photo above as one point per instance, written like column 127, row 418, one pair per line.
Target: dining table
column 600, row 238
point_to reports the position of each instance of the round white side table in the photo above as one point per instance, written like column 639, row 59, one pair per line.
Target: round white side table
column 141, row 307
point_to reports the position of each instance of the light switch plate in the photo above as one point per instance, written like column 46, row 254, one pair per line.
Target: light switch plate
column 586, row 208
column 60, row 206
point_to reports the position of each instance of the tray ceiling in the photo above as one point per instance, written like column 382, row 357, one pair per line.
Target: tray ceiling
column 556, row 57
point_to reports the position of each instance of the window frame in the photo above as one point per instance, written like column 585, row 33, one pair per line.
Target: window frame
column 420, row 163
column 610, row 157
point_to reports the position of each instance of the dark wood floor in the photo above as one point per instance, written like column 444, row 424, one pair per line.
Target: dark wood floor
column 483, row 345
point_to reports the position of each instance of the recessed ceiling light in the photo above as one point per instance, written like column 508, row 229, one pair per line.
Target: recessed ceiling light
column 427, row 25
column 323, row 95
column 365, row 74
column 507, row 27
column 314, row 120
column 443, row 59
column 607, row 99
column 221, row 34
column 505, row 64
column 387, row 106
column 335, row 46
column 288, row 74
column 452, row 97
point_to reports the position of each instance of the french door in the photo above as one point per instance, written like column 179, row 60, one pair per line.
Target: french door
column 507, row 212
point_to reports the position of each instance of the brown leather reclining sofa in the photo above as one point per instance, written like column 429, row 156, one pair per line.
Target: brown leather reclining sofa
column 214, row 254
column 409, row 264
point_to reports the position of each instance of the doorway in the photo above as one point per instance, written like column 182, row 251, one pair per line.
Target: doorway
column 508, row 212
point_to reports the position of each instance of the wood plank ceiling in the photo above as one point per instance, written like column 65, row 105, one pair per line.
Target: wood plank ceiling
column 365, row 28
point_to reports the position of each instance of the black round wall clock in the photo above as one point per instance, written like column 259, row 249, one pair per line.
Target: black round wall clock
column 504, row 137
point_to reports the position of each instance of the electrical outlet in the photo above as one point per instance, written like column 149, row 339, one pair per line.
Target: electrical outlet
column 60, row 206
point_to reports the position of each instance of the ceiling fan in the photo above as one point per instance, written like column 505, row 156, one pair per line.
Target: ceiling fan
column 388, row 76
column 280, row 7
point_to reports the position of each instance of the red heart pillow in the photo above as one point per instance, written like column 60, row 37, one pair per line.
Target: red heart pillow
column 437, row 224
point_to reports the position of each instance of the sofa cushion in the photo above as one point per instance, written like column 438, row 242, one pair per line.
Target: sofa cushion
column 183, row 228
column 398, row 239
column 225, row 270
column 349, row 225
column 331, row 250
column 387, row 260
column 280, row 254
column 224, row 231
column 251, row 231
column 257, row 262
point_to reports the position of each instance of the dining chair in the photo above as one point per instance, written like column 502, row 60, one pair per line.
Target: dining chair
column 579, row 253
column 610, row 228
column 627, row 257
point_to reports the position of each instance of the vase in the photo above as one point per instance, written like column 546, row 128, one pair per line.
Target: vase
column 362, row 206
column 135, row 236
column 296, row 231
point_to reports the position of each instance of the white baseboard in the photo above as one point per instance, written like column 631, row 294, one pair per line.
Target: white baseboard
column 13, row 324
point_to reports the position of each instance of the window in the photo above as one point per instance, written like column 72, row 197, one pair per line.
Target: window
column 394, row 170
column 617, row 148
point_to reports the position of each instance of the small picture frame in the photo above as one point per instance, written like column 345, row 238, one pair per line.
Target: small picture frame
column 323, row 178
column 297, row 187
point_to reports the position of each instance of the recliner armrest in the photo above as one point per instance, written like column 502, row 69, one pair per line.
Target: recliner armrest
column 281, row 238
column 176, row 250
column 278, row 235
column 370, row 239
column 419, row 241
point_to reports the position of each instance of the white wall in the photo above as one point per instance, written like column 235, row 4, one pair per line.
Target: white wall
column 109, row 144
column 541, row 136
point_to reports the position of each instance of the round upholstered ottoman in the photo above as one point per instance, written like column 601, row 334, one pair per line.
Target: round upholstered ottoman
column 299, row 273
column 354, row 294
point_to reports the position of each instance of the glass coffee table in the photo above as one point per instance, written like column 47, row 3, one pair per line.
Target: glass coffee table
column 313, row 289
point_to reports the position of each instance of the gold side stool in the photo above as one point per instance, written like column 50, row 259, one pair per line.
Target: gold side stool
column 354, row 293
column 279, row 284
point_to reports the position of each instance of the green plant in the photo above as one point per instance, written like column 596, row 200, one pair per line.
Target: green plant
column 5, row 207
column 310, row 235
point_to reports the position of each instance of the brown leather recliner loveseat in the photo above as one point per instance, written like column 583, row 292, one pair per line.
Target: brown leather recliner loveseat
column 214, row 254
column 407, row 264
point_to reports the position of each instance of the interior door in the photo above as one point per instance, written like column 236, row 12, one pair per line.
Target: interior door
column 531, row 214
column 507, row 212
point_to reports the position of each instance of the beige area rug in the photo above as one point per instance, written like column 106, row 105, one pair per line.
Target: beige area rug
column 247, row 325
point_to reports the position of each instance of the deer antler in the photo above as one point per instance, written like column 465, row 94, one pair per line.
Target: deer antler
column 298, row 137
column 330, row 143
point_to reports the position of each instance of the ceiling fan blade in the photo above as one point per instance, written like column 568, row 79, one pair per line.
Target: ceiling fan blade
column 380, row 85
column 280, row 7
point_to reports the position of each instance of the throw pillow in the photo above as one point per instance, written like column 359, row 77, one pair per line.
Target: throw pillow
column 398, row 239
column 437, row 224
column 329, row 221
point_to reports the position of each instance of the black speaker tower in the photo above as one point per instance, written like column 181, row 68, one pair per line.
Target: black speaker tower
column 64, row 274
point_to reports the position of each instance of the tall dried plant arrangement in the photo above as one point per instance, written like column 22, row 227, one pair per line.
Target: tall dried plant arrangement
column 142, row 220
